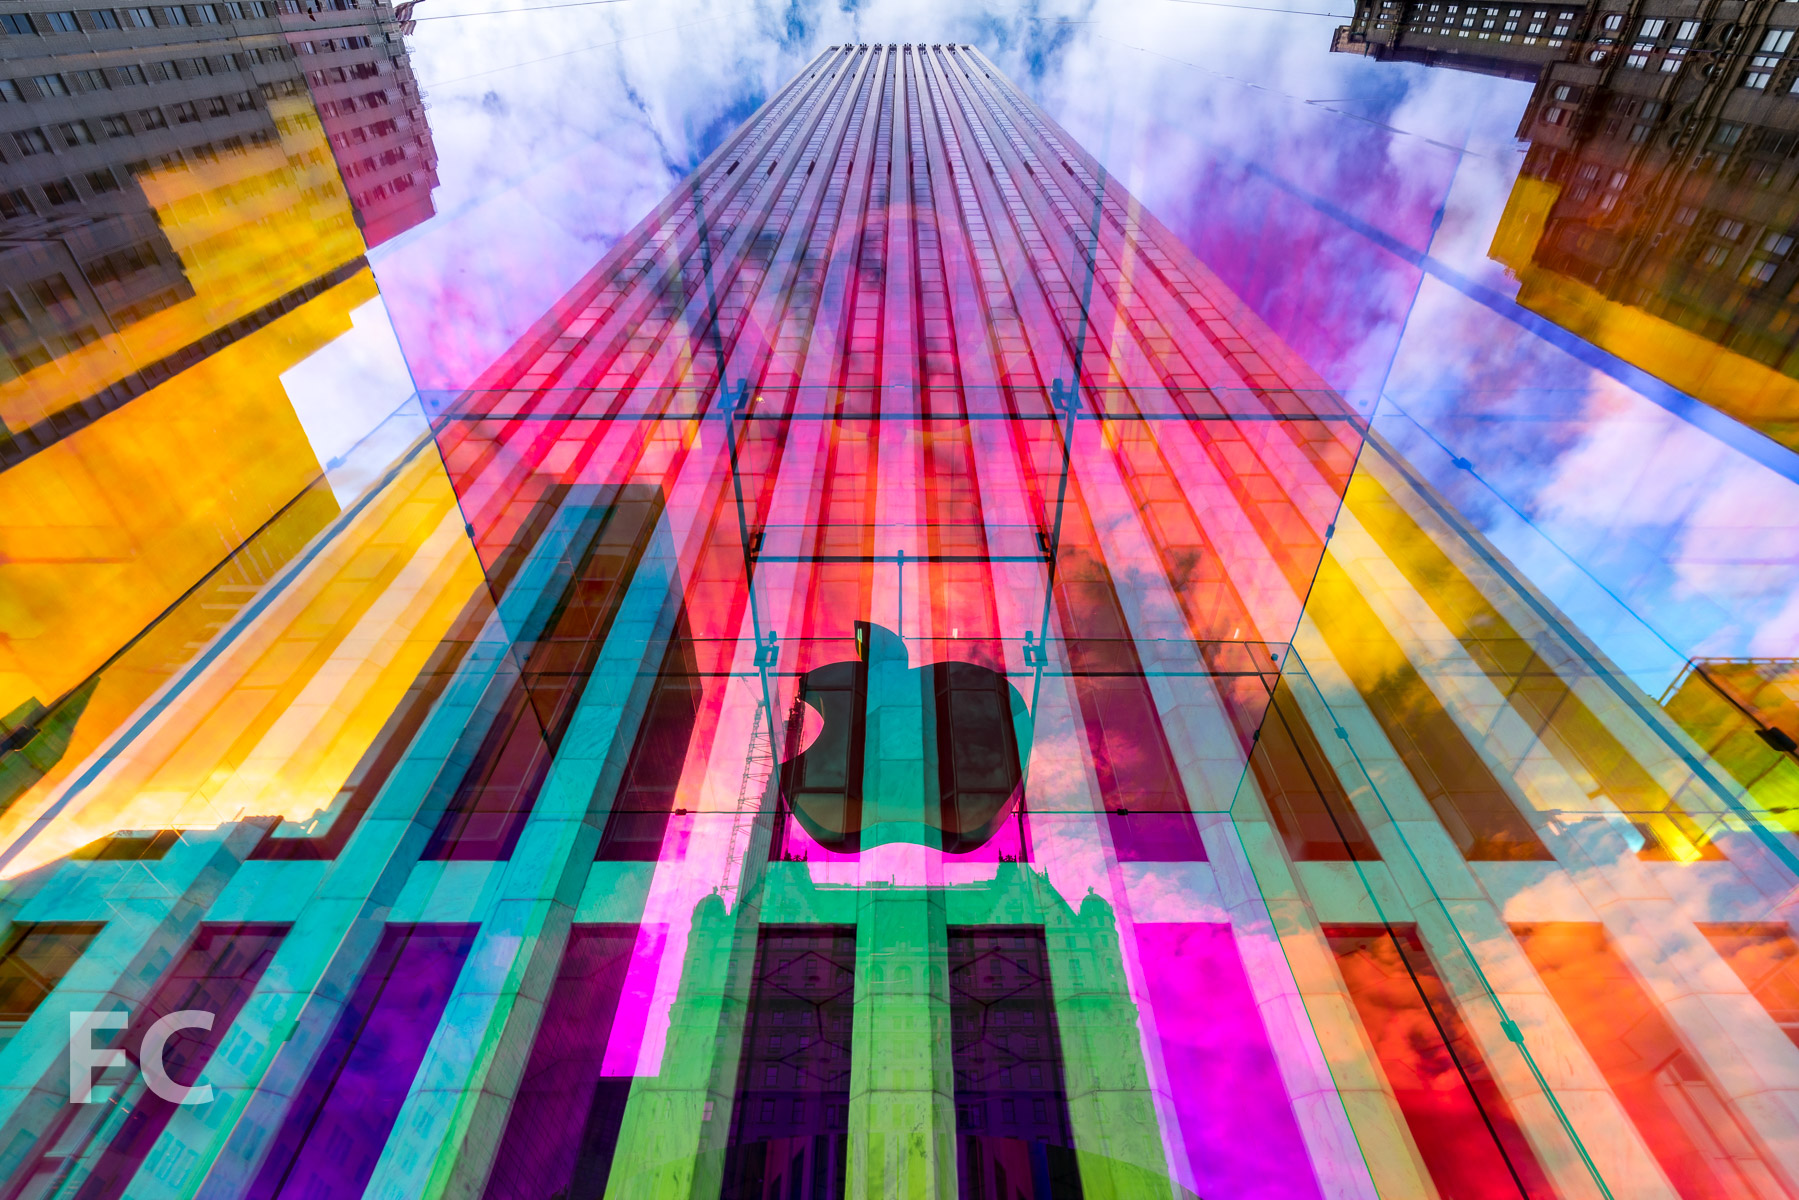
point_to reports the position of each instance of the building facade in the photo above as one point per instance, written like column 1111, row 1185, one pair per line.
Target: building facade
column 897, row 685
column 1656, row 209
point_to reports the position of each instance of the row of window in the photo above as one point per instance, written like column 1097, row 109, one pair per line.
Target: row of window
column 1659, row 41
column 1720, row 239
column 1540, row 22
column 67, row 83
column 344, row 138
column 350, row 104
column 373, row 163
column 152, row 17
column 72, row 134
column 1774, row 45
column 384, row 191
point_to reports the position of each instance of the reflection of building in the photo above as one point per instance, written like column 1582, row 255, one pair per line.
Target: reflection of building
column 368, row 101
column 1513, row 40
column 1655, row 213
column 174, row 234
column 1745, row 714
column 107, row 117
column 486, row 865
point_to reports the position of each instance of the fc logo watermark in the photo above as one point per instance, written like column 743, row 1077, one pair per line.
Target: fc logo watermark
column 85, row 1058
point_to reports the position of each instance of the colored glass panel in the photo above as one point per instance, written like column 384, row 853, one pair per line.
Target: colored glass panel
column 791, row 1105
column 562, row 1130
column 1680, row 1114
column 1461, row 1125
column 339, row 1120
column 1014, row 1136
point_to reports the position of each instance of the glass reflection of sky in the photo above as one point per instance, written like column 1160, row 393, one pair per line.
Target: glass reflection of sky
column 1352, row 202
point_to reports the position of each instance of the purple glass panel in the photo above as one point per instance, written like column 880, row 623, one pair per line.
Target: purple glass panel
column 1241, row 1137
column 1013, row 1132
column 560, row 1138
column 338, row 1125
column 791, row 1112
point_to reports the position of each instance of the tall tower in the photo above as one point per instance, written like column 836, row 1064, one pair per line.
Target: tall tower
column 880, row 751
column 979, row 515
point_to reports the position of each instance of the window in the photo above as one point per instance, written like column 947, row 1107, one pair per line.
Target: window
column 1760, row 271
column 102, row 18
column 102, row 181
column 207, row 13
column 185, row 113
column 1761, row 67
column 61, row 191
column 14, row 204
column 197, row 68
column 31, row 141
column 1728, row 229
column 1639, row 133
column 1714, row 256
column 62, row 22
column 132, row 74
column 51, row 85
column 9, row 92
column 1676, row 55
column 216, row 107
column 1564, row 92
column 1613, row 22
column 152, row 118
column 244, row 101
column 234, row 10
column 92, row 81
column 1554, row 116
column 115, row 126
column 76, row 133
column 174, row 15
column 1652, row 28
column 16, row 24
column 1727, row 134
column 1685, row 215
column 139, row 18
column 1777, row 243
column 1638, row 58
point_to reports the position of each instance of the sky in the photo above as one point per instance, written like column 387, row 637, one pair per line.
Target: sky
column 1350, row 203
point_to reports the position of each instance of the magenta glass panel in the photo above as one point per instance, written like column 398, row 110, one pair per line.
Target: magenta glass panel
column 1237, row 1126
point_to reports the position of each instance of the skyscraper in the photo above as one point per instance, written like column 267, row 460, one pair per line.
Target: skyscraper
column 863, row 705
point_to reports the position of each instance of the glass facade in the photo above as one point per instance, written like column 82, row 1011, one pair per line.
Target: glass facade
column 859, row 660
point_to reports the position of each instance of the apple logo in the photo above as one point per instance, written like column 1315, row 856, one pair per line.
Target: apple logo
column 929, row 755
